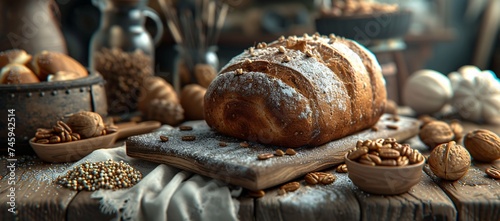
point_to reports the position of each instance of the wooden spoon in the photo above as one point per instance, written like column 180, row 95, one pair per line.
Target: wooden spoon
column 76, row 150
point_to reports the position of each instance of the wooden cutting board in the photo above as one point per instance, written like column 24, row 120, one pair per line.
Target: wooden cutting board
column 239, row 165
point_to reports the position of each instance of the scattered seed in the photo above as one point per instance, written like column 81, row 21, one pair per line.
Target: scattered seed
column 392, row 127
column 188, row 138
column 279, row 153
column 290, row 151
column 163, row 138
column 185, row 128
column 244, row 144
column 256, row 194
column 265, row 156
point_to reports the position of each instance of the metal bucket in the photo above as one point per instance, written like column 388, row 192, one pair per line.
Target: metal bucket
column 26, row 107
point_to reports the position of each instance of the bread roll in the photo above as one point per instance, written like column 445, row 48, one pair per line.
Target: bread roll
column 296, row 92
column 17, row 74
column 46, row 63
column 192, row 98
column 159, row 101
column 14, row 56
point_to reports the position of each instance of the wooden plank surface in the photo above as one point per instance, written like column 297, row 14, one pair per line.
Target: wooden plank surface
column 239, row 166
column 321, row 202
column 37, row 197
column 476, row 196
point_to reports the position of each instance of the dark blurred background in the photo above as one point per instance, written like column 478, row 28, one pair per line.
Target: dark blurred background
column 444, row 34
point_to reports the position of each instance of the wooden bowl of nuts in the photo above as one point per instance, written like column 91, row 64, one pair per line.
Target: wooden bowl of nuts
column 384, row 166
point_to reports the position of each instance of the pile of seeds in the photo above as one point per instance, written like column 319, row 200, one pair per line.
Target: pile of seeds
column 107, row 174
column 384, row 152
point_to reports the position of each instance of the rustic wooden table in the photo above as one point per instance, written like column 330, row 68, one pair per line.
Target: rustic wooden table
column 473, row 197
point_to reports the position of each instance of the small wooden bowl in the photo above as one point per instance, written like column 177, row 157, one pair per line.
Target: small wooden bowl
column 384, row 180
column 76, row 150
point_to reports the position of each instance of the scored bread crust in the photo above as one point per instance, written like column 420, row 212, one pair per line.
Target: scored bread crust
column 307, row 92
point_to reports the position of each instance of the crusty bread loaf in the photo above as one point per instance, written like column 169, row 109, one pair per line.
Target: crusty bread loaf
column 300, row 91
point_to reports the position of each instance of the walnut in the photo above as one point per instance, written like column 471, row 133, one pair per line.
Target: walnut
column 449, row 161
column 87, row 124
column 458, row 130
column 435, row 133
column 483, row 145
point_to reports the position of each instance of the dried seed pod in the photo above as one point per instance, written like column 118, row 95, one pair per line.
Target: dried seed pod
column 87, row 124
column 449, row 161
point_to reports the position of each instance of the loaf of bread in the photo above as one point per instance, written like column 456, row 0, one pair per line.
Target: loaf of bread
column 298, row 91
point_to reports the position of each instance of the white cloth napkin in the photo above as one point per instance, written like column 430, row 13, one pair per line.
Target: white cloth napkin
column 165, row 193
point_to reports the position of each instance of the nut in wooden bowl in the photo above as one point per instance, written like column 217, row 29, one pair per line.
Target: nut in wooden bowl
column 393, row 172
column 483, row 145
column 449, row 161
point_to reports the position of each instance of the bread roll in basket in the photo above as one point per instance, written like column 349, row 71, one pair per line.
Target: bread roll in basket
column 298, row 91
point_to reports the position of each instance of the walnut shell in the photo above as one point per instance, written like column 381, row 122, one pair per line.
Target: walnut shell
column 449, row 161
column 87, row 124
column 435, row 133
column 483, row 145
